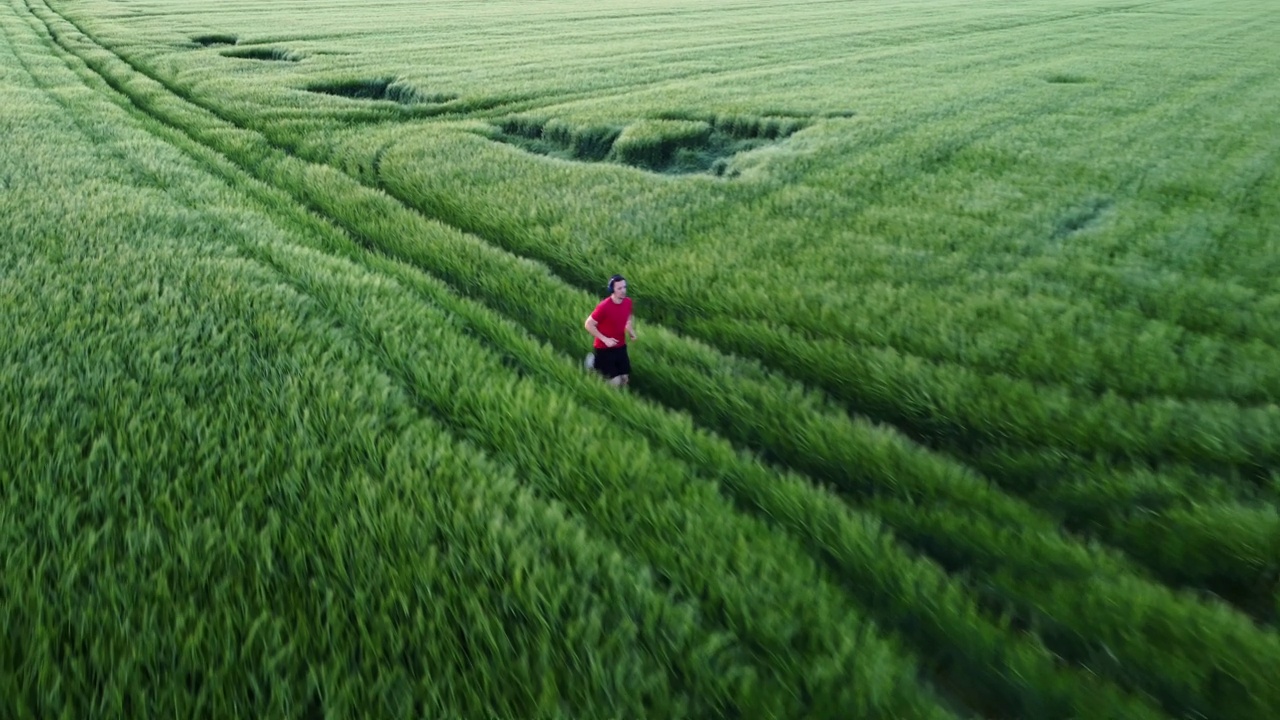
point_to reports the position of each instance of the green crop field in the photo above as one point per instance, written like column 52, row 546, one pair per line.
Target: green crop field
column 954, row 396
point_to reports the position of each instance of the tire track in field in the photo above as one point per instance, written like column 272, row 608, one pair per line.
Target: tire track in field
column 291, row 152
column 920, row 431
column 970, row 460
column 313, row 208
column 1125, row 573
column 216, row 113
column 262, row 258
column 931, row 646
column 490, row 241
column 490, row 237
column 495, row 235
column 265, row 258
column 574, row 276
column 287, row 151
column 268, row 259
column 1195, row 331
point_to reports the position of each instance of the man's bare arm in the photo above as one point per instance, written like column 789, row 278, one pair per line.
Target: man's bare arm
column 591, row 325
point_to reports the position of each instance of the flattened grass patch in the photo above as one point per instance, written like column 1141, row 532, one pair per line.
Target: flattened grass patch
column 215, row 39
column 675, row 144
column 1080, row 217
column 271, row 54
column 556, row 138
column 389, row 89
column 1066, row 79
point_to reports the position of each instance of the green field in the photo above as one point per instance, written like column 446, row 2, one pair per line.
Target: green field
column 955, row 392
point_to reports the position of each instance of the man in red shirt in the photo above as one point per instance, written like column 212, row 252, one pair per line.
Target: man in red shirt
column 610, row 324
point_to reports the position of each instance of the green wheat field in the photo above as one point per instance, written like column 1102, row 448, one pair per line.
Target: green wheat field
column 955, row 392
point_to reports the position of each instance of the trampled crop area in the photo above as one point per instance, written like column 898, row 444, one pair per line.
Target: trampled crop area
column 955, row 393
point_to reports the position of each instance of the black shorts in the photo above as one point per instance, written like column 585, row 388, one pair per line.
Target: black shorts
column 612, row 362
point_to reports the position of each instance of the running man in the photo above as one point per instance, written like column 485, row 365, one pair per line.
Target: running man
column 610, row 324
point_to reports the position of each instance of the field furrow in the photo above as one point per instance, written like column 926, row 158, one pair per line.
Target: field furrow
column 976, row 552
column 1238, row 565
column 239, row 570
column 718, row 676
column 955, row 390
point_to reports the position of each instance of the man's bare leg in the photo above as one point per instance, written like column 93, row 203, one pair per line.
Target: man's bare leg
column 619, row 380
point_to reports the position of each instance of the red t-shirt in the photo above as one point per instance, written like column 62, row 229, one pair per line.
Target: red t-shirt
column 611, row 320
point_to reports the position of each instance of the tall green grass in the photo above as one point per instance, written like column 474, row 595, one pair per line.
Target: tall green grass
column 172, row 552
column 1044, row 340
column 991, row 550
column 174, row 549
column 922, row 604
column 371, row 217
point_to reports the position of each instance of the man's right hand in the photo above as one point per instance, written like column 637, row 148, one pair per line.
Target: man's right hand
column 609, row 342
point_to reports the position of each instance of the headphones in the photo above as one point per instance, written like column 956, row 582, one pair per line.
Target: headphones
column 613, row 280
